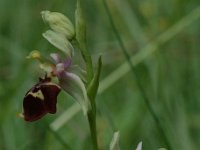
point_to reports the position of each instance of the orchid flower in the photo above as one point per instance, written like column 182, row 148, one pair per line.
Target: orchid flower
column 81, row 85
column 42, row 97
column 71, row 82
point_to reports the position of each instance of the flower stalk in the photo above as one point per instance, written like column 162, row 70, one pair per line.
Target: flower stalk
column 92, row 78
column 80, row 28
column 92, row 123
column 92, row 91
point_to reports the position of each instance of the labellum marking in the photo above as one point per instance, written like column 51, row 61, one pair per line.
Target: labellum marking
column 37, row 94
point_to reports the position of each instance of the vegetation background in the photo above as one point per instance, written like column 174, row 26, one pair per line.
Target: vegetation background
column 162, row 36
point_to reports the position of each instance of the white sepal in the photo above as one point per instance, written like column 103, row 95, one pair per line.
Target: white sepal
column 75, row 87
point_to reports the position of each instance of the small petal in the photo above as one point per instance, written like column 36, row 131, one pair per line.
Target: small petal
column 75, row 87
column 56, row 57
column 60, row 68
column 59, row 41
column 59, row 23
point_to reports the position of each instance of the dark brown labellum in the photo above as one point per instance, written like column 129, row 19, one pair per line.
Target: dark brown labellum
column 40, row 100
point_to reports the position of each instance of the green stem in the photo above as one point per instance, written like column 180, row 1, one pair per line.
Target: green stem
column 92, row 124
column 142, row 90
column 92, row 91
column 80, row 27
column 88, row 60
column 90, row 73
column 82, row 44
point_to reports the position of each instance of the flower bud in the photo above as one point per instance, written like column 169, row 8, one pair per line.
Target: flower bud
column 59, row 23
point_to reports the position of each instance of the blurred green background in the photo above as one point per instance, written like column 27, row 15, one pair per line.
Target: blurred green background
column 162, row 36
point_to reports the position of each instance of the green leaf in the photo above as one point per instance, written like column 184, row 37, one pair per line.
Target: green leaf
column 94, row 84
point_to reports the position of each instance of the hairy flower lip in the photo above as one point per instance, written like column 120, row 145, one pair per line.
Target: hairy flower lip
column 40, row 100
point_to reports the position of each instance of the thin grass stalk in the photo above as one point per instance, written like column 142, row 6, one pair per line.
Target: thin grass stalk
column 138, row 81
column 57, row 137
column 150, row 48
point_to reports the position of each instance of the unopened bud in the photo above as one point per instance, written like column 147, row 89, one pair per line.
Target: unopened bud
column 59, row 23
